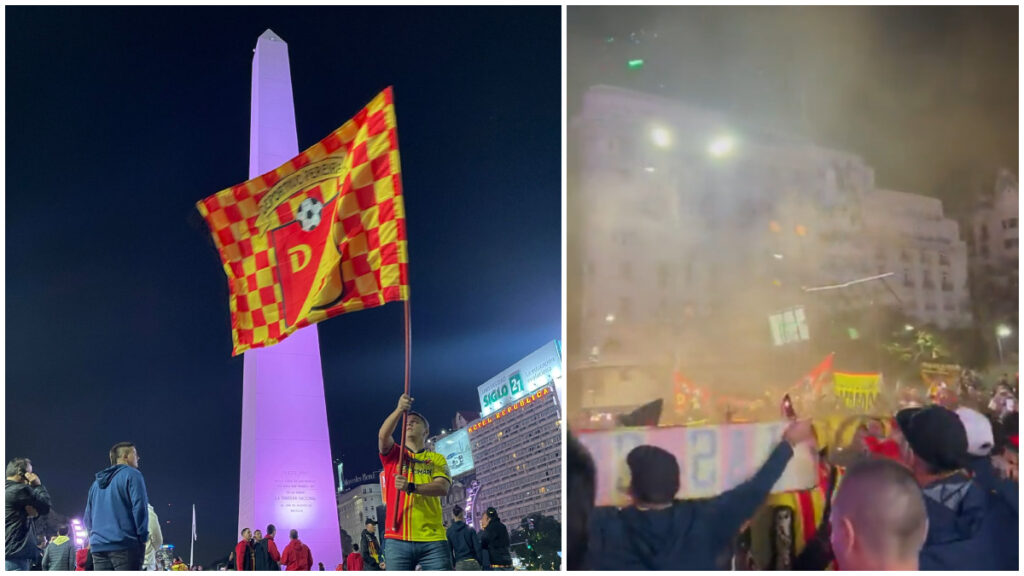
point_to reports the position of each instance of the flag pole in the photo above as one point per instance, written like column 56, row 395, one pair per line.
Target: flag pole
column 192, row 546
column 405, row 416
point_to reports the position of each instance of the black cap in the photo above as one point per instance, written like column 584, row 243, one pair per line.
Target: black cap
column 370, row 521
column 492, row 513
column 426, row 423
column 936, row 435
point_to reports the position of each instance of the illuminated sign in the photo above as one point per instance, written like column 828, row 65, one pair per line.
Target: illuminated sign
column 541, row 368
column 456, row 450
column 789, row 326
column 536, row 396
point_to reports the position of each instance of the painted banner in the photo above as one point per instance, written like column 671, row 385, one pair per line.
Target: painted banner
column 858, row 391
column 711, row 459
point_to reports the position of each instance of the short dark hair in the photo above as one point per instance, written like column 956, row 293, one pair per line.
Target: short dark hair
column 243, row 531
column 654, row 474
column 457, row 511
column 355, row 547
column 271, row 529
column 294, row 534
column 116, row 451
column 62, row 530
column 18, row 466
column 426, row 424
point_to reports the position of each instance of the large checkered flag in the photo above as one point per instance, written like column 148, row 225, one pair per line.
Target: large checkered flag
column 322, row 235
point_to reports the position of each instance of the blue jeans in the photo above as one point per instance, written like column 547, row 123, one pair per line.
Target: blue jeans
column 20, row 564
column 402, row 555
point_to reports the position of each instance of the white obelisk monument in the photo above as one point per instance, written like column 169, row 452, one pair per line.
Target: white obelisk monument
column 286, row 476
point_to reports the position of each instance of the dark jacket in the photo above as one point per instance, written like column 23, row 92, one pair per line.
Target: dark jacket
column 689, row 535
column 985, row 474
column 369, row 561
column 494, row 539
column 21, row 540
column 59, row 554
column 245, row 555
column 464, row 542
column 266, row 555
column 117, row 511
column 969, row 527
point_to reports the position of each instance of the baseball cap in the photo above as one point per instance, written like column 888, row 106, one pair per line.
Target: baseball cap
column 936, row 435
column 421, row 417
column 979, row 431
column 370, row 521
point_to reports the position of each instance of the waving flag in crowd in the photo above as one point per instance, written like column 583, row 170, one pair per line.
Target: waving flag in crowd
column 322, row 235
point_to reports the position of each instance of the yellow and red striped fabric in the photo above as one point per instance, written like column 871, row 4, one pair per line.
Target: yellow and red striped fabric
column 322, row 235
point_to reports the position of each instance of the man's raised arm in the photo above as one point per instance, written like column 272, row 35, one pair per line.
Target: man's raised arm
column 384, row 438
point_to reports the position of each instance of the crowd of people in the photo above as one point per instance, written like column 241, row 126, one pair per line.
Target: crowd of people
column 933, row 487
column 124, row 531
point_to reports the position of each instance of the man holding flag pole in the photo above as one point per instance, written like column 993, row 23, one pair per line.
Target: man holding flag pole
column 415, row 479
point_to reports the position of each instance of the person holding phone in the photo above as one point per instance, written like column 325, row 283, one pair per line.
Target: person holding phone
column 27, row 498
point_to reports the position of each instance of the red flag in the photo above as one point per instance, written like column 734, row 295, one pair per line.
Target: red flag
column 815, row 379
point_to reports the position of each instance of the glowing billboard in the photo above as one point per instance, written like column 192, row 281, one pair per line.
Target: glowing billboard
column 541, row 368
column 456, row 450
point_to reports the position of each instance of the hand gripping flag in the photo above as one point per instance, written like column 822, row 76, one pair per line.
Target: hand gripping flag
column 322, row 235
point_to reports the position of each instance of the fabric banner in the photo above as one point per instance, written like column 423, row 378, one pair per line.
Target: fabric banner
column 816, row 378
column 711, row 459
column 322, row 235
column 858, row 391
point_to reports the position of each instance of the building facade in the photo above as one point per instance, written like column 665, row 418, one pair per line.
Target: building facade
column 358, row 502
column 517, row 451
column 693, row 228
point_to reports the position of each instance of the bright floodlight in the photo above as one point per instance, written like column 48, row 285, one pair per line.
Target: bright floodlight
column 908, row 328
column 609, row 318
column 1003, row 331
column 662, row 137
column 721, row 146
column 777, row 256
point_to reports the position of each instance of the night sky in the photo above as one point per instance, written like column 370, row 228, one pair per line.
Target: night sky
column 928, row 96
column 119, row 120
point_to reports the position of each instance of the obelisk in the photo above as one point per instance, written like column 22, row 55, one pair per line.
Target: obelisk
column 286, row 475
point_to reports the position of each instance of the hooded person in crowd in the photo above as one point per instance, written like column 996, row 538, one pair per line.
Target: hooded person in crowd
column 117, row 512
column 60, row 552
column 354, row 562
column 296, row 555
column 970, row 527
column 659, row 532
column 878, row 518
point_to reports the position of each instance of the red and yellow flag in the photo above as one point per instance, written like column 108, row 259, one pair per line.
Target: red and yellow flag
column 322, row 235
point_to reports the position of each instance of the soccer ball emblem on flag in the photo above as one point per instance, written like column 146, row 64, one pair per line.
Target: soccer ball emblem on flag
column 322, row 235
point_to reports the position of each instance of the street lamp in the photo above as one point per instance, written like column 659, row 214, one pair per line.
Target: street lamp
column 1002, row 331
column 661, row 136
column 721, row 146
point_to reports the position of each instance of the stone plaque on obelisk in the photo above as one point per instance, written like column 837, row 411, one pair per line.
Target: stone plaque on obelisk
column 286, row 475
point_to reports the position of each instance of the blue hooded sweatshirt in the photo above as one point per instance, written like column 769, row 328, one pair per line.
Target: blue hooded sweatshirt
column 117, row 512
column 969, row 527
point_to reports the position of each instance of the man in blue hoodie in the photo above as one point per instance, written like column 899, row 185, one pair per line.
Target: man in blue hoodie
column 659, row 532
column 117, row 512
column 970, row 526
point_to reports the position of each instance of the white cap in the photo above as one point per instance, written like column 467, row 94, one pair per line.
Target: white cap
column 979, row 431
